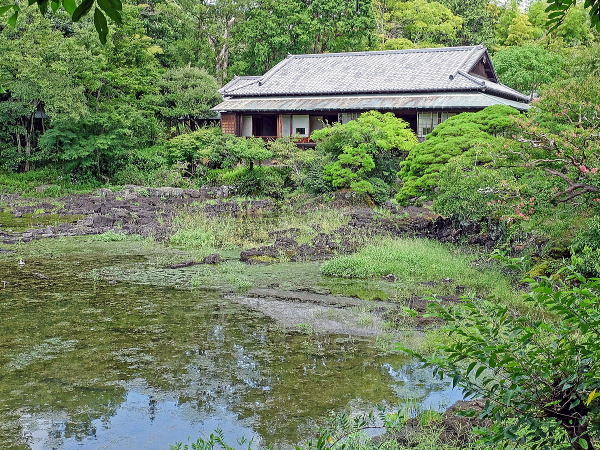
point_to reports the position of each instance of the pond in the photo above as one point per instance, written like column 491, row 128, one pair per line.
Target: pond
column 89, row 363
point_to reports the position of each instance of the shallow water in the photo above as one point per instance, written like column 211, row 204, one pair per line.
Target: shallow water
column 8, row 222
column 93, row 364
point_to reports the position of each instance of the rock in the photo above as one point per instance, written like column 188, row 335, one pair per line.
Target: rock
column 183, row 264
column 214, row 258
column 169, row 192
column 214, row 192
column 390, row 277
column 39, row 275
column 99, row 220
column 103, row 192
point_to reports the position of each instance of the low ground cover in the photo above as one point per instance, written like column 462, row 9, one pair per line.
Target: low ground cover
column 421, row 267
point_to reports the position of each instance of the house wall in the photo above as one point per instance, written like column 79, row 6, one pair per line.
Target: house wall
column 246, row 126
column 229, row 123
column 300, row 122
column 286, row 125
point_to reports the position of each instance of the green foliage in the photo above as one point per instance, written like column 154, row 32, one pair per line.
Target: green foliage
column 561, row 133
column 351, row 168
column 520, row 31
column 274, row 28
column 305, row 166
column 414, row 261
column 359, row 143
column 200, row 150
column 266, row 181
column 585, row 249
column 422, row 21
column 528, row 67
column 463, row 132
column 538, row 377
column 187, row 92
column 248, row 150
column 559, row 9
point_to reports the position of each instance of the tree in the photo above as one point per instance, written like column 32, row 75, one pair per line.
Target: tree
column 421, row 20
column 341, row 26
column 103, row 9
column 538, row 377
column 368, row 147
column 479, row 19
column 528, row 67
column 558, row 10
column 464, row 132
column 41, row 77
column 536, row 13
column 121, row 115
column 520, row 31
column 270, row 31
column 574, row 28
column 248, row 150
column 508, row 13
column 187, row 92
column 562, row 137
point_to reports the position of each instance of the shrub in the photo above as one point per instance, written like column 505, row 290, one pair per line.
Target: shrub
column 199, row 150
column 467, row 131
column 589, row 236
column 539, row 377
column 311, row 176
column 266, row 181
column 359, row 144
column 585, row 249
column 248, row 150
column 305, row 166
column 380, row 190
column 144, row 168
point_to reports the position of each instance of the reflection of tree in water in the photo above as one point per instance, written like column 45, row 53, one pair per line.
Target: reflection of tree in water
column 208, row 354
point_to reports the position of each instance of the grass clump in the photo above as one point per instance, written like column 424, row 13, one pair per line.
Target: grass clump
column 115, row 236
column 197, row 230
column 423, row 268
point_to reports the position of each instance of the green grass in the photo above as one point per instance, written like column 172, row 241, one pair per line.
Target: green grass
column 59, row 183
column 197, row 230
column 424, row 268
column 115, row 236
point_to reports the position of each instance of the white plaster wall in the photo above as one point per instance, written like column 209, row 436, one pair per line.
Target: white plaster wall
column 301, row 121
column 285, row 124
column 247, row 126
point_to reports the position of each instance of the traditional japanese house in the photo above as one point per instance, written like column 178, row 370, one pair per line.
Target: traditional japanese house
column 305, row 92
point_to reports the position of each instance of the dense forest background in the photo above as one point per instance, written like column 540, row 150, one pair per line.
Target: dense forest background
column 68, row 101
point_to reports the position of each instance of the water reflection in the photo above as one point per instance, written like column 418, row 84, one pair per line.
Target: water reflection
column 90, row 364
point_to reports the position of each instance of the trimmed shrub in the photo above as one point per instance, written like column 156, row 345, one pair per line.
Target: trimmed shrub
column 420, row 171
column 359, row 144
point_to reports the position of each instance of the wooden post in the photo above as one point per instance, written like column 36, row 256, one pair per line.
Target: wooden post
column 279, row 125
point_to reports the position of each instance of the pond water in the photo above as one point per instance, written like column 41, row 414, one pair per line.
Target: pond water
column 86, row 363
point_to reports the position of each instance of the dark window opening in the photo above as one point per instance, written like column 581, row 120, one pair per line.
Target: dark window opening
column 264, row 126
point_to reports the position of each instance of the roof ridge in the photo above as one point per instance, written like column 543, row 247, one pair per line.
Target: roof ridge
column 385, row 52
column 464, row 60
column 473, row 78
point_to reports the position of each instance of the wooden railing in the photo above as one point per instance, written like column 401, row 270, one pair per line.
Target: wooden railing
column 297, row 140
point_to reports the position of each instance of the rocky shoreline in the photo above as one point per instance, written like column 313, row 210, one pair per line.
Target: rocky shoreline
column 150, row 212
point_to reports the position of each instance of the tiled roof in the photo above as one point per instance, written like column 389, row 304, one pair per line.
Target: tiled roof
column 392, row 71
column 449, row 101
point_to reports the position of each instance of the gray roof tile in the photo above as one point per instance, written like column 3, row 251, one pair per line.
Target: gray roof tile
column 394, row 71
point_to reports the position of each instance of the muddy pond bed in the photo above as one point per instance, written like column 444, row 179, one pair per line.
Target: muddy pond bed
column 94, row 355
